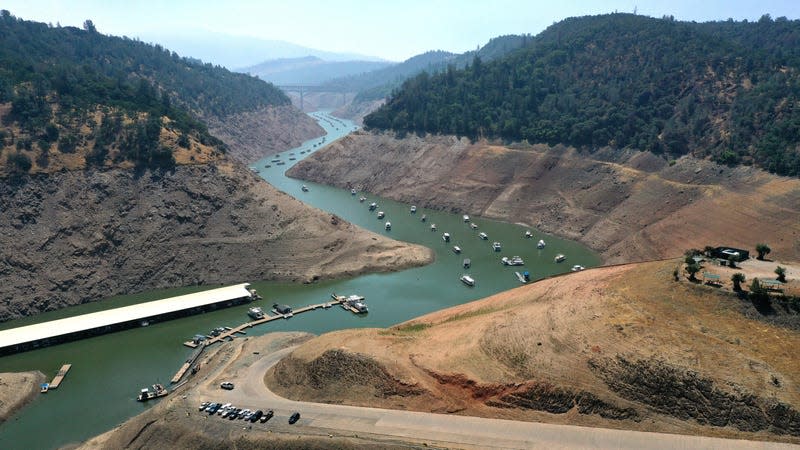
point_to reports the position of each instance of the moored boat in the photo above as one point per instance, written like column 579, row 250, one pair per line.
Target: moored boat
column 446, row 237
column 381, row 214
column 496, row 246
column 424, row 218
column 560, row 258
column 513, row 261
column 457, row 249
column 483, row 235
column 388, row 226
column 474, row 226
column 465, row 217
column 352, row 192
column 433, row 227
column 373, row 206
column 304, row 188
column 44, row 387
column 157, row 390
column 523, row 277
column 577, row 268
column 540, row 245
column 255, row 313
column 468, row 280
column 528, row 235
column 413, row 210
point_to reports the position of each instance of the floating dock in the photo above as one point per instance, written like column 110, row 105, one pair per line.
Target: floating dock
column 56, row 331
column 60, row 376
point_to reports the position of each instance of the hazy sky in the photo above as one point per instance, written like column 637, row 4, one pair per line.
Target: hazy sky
column 393, row 30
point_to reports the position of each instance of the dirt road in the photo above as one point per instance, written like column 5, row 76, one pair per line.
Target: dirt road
column 447, row 430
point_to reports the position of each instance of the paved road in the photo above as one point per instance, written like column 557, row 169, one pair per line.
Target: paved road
column 456, row 431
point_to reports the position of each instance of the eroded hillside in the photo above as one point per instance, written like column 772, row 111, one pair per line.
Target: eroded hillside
column 620, row 347
column 77, row 236
column 627, row 205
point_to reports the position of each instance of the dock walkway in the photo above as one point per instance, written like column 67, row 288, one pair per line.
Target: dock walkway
column 60, row 376
column 230, row 332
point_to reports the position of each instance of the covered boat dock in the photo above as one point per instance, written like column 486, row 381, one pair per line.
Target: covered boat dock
column 56, row 331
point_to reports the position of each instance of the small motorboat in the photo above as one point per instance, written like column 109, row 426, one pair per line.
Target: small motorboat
column 373, row 206
column 465, row 217
column 528, row 235
column 424, row 218
column 474, row 226
column 381, row 214
column 304, row 188
column 362, row 199
column 456, row 249
column 44, row 387
column 540, row 245
column 352, row 192
column 467, row 263
column 446, row 237
column 388, row 226
column 468, row 280
column 496, row 246
column 577, row 268
column 433, row 227
column 413, row 210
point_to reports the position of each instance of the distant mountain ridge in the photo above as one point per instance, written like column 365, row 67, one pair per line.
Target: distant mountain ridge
column 237, row 52
column 310, row 70
column 727, row 90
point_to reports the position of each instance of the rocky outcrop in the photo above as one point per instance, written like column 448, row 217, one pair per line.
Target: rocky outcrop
column 253, row 135
column 687, row 395
column 627, row 205
column 78, row 236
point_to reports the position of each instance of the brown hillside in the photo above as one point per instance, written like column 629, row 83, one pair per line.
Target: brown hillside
column 629, row 206
column 620, row 347
column 76, row 236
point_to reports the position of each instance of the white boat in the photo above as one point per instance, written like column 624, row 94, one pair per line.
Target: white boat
column 352, row 192
column 513, row 261
column 467, row 263
column 483, row 235
column 373, row 206
column 457, row 249
column 446, row 237
column 424, row 218
column 465, row 217
column 304, row 188
column 388, row 226
column 474, row 226
column 528, row 235
column 577, row 268
column 496, row 246
column 413, row 210
column 468, row 280
column 362, row 199
column 523, row 277
column 560, row 258
column 540, row 245
column 433, row 227
column 381, row 214
column 256, row 313
column 354, row 303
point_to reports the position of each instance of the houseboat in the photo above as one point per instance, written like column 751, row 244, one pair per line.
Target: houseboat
column 284, row 310
column 304, row 188
column 381, row 214
column 255, row 313
column 373, row 206
column 433, row 227
column 528, row 235
column 388, row 226
column 483, row 235
column 352, row 192
column 456, row 249
column 413, row 210
column 577, row 268
column 560, row 258
column 446, row 237
column 467, row 263
column 468, row 280
column 157, row 390
column 474, row 226
column 465, row 217
column 513, row 261
column 496, row 246
column 540, row 245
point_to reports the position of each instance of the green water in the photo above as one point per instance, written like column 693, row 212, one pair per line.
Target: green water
column 107, row 371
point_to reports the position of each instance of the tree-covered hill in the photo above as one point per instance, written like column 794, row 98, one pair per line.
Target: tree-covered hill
column 378, row 84
column 729, row 90
column 67, row 91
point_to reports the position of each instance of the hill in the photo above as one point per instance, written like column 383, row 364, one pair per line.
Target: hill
column 592, row 348
column 625, row 204
column 310, row 70
column 111, row 182
column 66, row 89
column 724, row 90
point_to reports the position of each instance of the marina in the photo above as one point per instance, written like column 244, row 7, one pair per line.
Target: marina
column 115, row 366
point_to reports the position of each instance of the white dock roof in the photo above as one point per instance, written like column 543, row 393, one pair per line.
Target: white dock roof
column 89, row 321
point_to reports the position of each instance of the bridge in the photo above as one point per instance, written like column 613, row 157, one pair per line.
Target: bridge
column 302, row 89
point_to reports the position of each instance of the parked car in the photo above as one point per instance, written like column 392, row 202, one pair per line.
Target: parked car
column 294, row 417
column 268, row 415
column 226, row 385
column 256, row 415
column 203, row 406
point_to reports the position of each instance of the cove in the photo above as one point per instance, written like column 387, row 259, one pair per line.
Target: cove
column 109, row 370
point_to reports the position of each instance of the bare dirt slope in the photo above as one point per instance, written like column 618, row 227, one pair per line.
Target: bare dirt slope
column 77, row 236
column 629, row 206
column 619, row 347
column 253, row 135
column 16, row 389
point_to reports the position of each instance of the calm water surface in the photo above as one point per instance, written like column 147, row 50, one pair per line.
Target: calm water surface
column 107, row 371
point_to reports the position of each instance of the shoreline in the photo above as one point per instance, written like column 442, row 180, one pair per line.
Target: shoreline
column 12, row 397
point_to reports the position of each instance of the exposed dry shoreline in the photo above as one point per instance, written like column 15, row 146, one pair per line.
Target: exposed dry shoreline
column 16, row 390
column 627, row 205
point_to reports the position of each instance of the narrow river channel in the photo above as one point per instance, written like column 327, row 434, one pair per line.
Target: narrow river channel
column 107, row 371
